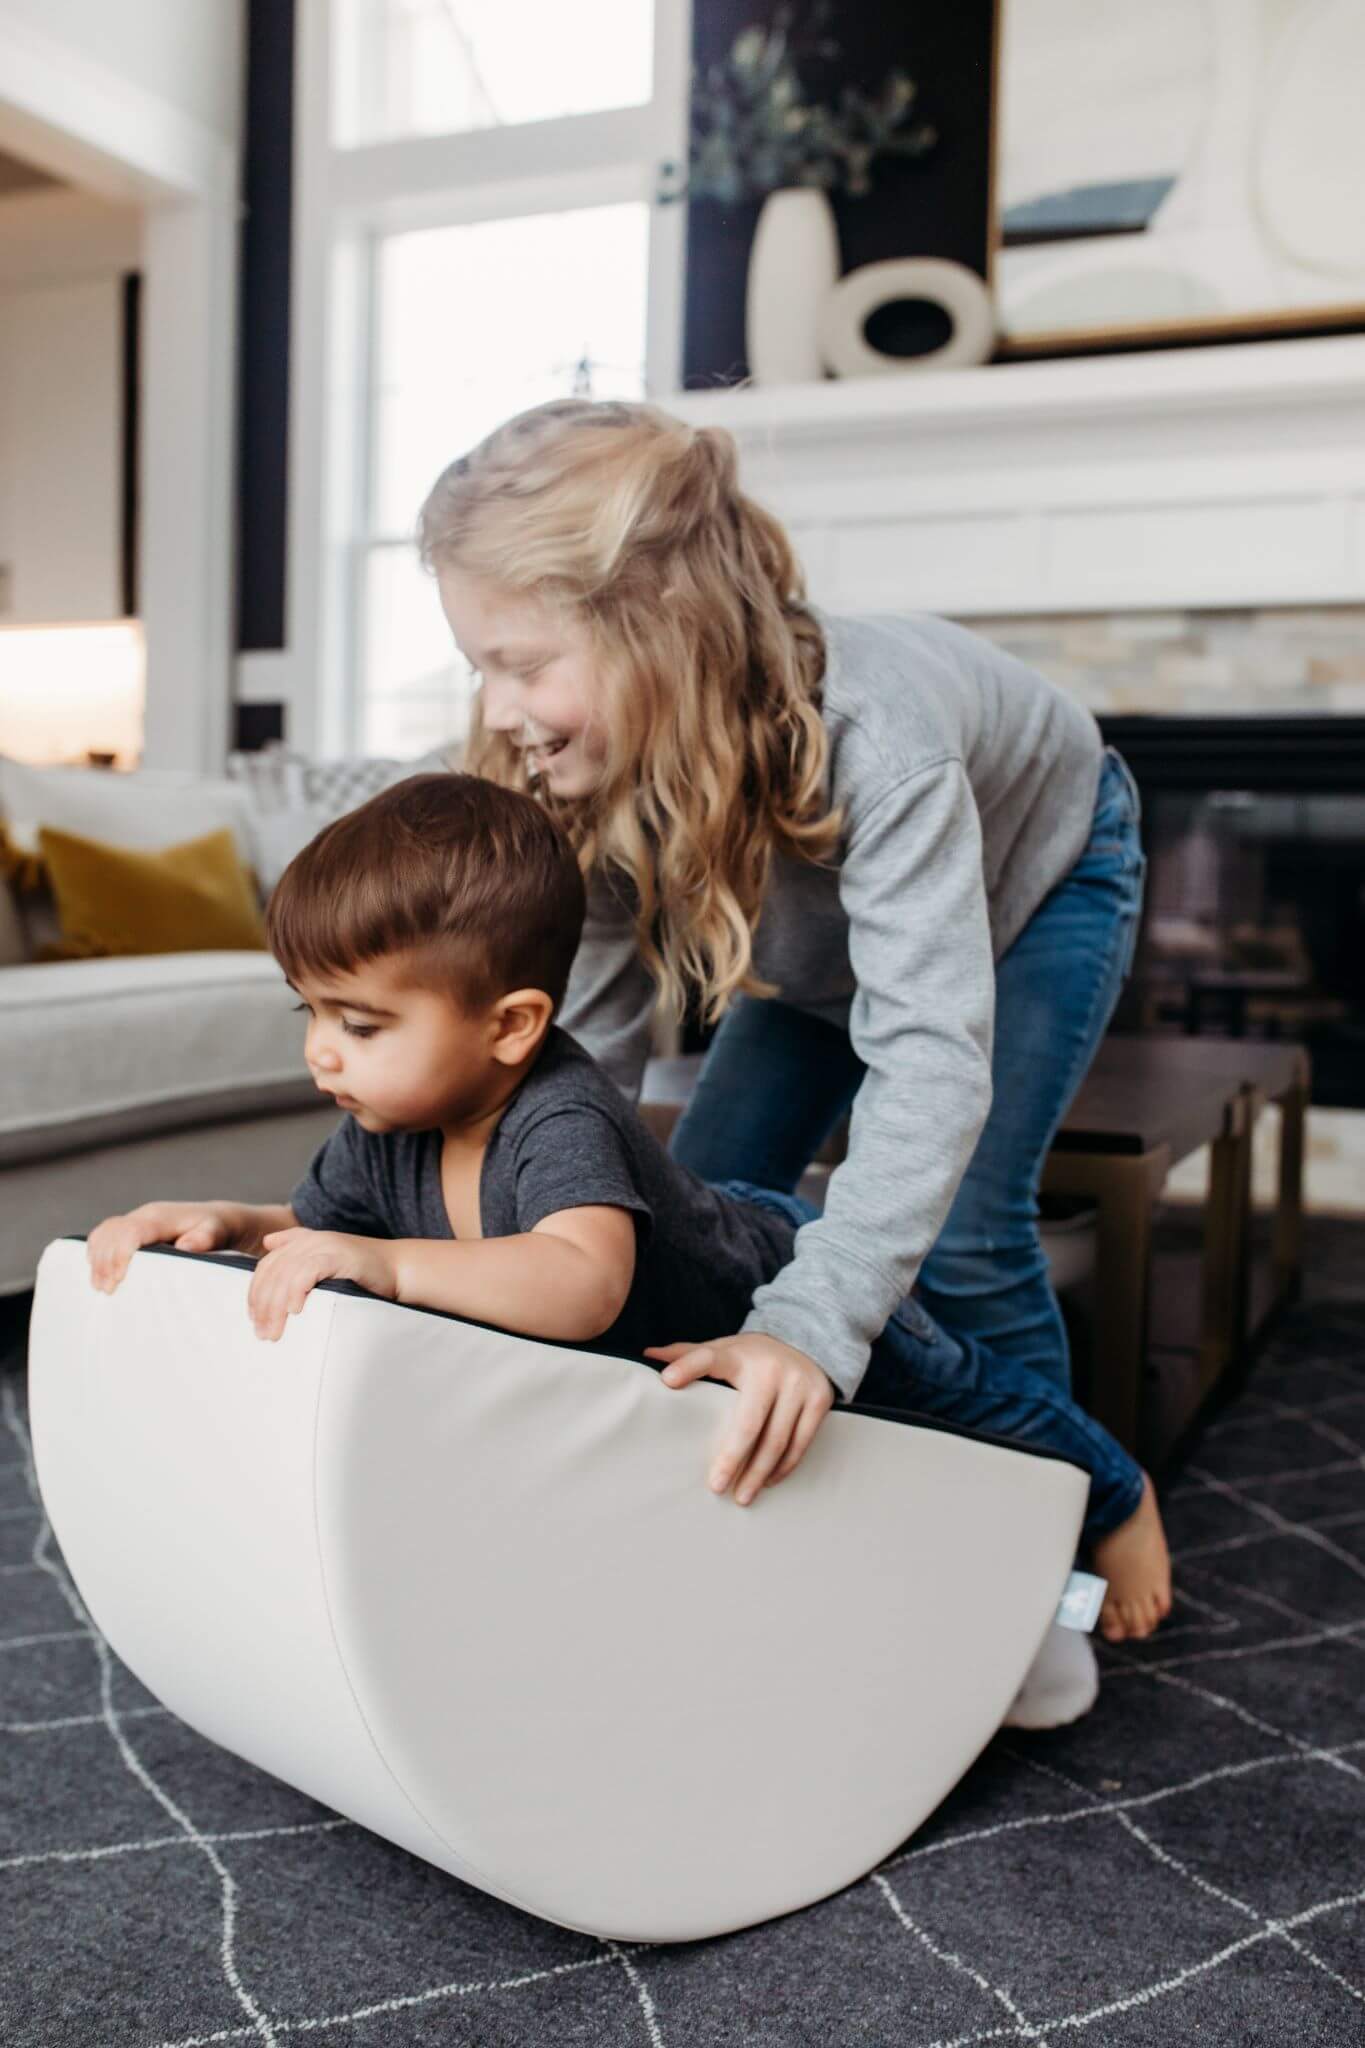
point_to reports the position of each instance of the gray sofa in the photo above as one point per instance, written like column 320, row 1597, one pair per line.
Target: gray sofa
column 175, row 1074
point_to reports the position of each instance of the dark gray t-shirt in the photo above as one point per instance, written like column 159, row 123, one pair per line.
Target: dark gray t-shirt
column 567, row 1140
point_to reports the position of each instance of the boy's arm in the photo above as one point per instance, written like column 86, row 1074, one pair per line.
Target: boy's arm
column 568, row 1278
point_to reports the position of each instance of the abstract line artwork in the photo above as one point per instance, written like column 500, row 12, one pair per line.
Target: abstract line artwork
column 1183, row 170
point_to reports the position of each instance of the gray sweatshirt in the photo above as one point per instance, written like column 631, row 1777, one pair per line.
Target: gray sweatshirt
column 968, row 784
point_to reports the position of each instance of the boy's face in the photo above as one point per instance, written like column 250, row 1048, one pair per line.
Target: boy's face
column 537, row 670
column 395, row 1056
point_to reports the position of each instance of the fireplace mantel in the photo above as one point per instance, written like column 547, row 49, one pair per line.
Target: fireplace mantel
column 1209, row 477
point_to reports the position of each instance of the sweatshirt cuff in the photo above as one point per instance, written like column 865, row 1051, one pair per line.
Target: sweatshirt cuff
column 841, row 1357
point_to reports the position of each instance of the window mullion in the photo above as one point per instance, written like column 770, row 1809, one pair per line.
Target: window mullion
column 363, row 494
column 386, row 174
column 454, row 206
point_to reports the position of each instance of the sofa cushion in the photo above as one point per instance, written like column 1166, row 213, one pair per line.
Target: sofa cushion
column 194, row 897
column 276, row 836
column 92, row 1051
column 145, row 807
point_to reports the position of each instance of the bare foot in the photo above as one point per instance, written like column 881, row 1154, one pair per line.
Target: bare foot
column 1137, row 1564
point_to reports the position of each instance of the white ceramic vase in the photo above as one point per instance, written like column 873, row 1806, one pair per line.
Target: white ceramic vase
column 841, row 327
column 793, row 266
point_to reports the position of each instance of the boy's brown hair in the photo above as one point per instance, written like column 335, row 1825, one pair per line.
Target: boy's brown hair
column 476, row 883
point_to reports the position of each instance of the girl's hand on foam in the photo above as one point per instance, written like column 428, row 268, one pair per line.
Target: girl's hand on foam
column 783, row 1398
column 189, row 1226
column 295, row 1260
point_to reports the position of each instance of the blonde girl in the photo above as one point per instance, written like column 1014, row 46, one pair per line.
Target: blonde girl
column 895, row 866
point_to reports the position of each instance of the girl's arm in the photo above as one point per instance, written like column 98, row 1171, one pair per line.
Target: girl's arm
column 919, row 943
column 567, row 1279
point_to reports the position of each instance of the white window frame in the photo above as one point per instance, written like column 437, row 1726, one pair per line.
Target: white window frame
column 345, row 201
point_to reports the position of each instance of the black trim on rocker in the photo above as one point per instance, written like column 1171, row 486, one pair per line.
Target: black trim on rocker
column 245, row 1264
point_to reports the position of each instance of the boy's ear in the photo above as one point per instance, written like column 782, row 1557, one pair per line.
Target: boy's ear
column 520, row 1021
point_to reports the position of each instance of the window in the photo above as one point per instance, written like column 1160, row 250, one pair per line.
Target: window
column 485, row 177
column 474, row 324
column 443, row 67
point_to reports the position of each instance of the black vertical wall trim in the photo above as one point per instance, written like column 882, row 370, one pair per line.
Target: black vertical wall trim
column 130, row 468
column 263, row 361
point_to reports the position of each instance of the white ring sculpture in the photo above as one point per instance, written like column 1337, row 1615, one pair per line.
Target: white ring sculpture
column 845, row 312
column 472, row 1591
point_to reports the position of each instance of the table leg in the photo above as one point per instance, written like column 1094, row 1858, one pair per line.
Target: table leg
column 1227, row 1233
column 1124, row 1186
column 1288, row 1239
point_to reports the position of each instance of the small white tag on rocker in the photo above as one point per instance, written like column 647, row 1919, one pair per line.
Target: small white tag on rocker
column 1081, row 1601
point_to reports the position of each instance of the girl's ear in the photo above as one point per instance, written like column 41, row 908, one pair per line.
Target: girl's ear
column 520, row 1022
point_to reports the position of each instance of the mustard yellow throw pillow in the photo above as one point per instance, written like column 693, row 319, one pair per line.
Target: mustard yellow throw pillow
column 192, row 898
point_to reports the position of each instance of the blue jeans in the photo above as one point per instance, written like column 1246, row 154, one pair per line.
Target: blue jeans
column 776, row 1082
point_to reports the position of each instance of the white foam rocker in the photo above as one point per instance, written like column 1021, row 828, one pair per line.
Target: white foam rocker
column 471, row 1590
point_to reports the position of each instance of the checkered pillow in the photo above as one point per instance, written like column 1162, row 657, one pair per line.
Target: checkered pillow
column 292, row 796
column 278, row 780
column 337, row 786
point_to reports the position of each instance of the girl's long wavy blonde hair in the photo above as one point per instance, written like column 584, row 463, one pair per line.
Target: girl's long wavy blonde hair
column 708, row 665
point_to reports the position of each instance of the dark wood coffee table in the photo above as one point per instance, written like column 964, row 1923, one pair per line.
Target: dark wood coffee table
column 1145, row 1105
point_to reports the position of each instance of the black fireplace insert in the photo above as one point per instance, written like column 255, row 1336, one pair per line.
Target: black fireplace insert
column 1254, row 921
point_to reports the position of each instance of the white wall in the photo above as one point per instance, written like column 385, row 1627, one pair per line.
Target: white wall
column 57, row 233
column 140, row 101
column 187, row 52
column 63, row 257
column 60, row 452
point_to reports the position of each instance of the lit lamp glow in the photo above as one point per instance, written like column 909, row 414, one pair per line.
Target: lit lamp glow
column 67, row 692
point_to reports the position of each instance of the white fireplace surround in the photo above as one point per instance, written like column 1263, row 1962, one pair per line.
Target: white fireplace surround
column 1212, row 477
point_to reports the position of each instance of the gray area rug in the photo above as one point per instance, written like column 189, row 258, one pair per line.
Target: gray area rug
column 1185, row 1864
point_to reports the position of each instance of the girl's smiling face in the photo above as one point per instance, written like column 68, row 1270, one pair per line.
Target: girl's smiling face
column 537, row 669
